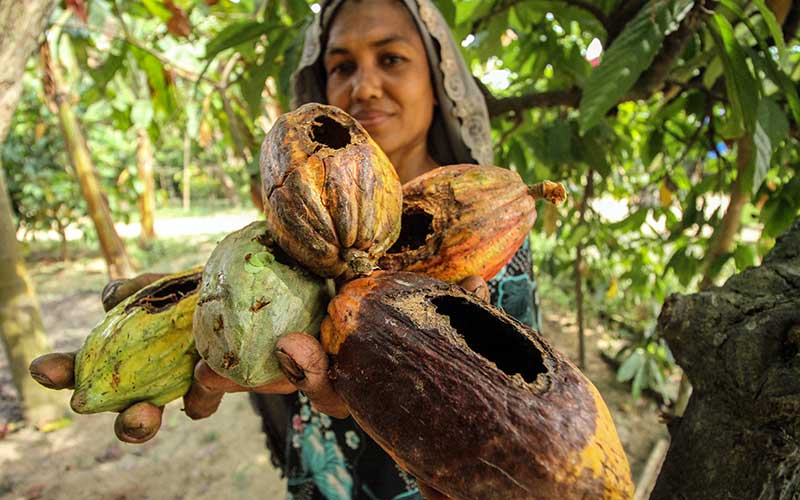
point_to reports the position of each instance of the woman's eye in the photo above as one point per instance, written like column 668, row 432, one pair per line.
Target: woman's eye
column 342, row 68
column 392, row 60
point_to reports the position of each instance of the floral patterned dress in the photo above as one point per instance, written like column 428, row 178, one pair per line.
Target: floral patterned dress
column 333, row 459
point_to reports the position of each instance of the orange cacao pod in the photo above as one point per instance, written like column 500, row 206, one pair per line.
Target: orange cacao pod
column 331, row 197
column 465, row 220
column 466, row 399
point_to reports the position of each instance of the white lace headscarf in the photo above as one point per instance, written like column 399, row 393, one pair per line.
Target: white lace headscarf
column 460, row 132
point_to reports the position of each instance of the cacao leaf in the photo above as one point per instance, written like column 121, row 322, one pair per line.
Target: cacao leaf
column 630, row 54
column 744, row 256
column 771, row 128
column 741, row 86
column 774, row 30
column 630, row 367
column 178, row 24
column 234, row 34
column 664, row 194
column 158, row 9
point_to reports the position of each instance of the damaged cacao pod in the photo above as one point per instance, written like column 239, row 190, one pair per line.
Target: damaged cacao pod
column 331, row 197
column 465, row 220
column 252, row 294
column 466, row 399
column 143, row 350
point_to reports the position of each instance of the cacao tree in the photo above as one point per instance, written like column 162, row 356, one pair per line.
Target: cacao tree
column 21, row 326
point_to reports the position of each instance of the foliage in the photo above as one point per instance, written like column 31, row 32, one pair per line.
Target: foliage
column 691, row 102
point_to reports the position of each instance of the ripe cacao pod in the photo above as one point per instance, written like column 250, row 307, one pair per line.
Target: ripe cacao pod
column 252, row 294
column 143, row 350
column 331, row 197
column 468, row 400
column 465, row 220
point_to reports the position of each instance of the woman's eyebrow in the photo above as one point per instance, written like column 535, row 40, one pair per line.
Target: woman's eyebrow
column 334, row 50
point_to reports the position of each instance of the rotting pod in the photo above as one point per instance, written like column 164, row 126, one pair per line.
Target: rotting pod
column 467, row 399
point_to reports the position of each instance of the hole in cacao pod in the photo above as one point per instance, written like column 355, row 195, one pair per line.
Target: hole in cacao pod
column 492, row 338
column 415, row 226
column 329, row 132
column 166, row 295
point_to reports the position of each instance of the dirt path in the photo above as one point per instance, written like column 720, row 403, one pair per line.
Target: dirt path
column 220, row 457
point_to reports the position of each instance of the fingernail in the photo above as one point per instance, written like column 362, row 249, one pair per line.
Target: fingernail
column 42, row 379
column 289, row 367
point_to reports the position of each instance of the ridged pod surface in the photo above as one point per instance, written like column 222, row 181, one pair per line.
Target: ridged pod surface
column 331, row 197
column 466, row 399
column 465, row 220
column 143, row 350
column 252, row 294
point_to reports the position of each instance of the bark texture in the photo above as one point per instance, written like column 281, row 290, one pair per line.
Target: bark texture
column 21, row 327
column 739, row 345
column 112, row 247
column 147, row 198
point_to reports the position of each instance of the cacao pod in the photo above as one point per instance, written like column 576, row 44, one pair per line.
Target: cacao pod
column 331, row 197
column 468, row 400
column 252, row 294
column 142, row 350
column 465, row 220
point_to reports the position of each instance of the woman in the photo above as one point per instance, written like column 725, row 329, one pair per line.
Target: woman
column 394, row 66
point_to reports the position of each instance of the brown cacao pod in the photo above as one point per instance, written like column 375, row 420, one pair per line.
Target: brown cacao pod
column 466, row 399
column 465, row 220
column 332, row 198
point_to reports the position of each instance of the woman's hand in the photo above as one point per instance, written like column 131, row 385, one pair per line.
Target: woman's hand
column 301, row 357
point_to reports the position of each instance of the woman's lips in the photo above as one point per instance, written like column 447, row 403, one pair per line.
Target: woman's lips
column 371, row 119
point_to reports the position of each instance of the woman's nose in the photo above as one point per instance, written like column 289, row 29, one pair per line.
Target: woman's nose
column 366, row 85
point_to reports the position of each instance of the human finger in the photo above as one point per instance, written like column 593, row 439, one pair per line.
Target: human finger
column 138, row 423
column 305, row 364
column 209, row 387
column 116, row 291
column 55, row 370
column 476, row 285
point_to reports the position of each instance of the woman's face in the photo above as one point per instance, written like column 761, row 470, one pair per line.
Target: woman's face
column 377, row 71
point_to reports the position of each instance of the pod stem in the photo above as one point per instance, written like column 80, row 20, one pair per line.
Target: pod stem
column 553, row 192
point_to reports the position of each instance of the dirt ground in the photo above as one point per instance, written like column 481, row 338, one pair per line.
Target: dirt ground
column 221, row 457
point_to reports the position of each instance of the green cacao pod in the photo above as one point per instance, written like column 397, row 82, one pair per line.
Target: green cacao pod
column 331, row 196
column 252, row 294
column 143, row 350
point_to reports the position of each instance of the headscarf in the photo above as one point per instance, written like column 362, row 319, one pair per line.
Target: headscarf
column 460, row 132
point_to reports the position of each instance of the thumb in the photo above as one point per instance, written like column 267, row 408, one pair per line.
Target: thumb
column 305, row 364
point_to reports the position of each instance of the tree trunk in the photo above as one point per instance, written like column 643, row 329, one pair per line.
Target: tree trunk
column 187, row 175
column 740, row 346
column 228, row 186
column 21, row 328
column 147, row 198
column 116, row 257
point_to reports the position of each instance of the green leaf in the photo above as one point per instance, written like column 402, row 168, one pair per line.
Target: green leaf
column 771, row 128
column 759, row 166
column 741, row 86
column 639, row 381
column 744, row 256
column 630, row 54
column 630, row 366
column 106, row 71
column 234, row 34
column 142, row 113
column 448, row 10
column 632, row 222
column 774, row 30
column 160, row 88
column 653, row 146
column 157, row 8
column 781, row 209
